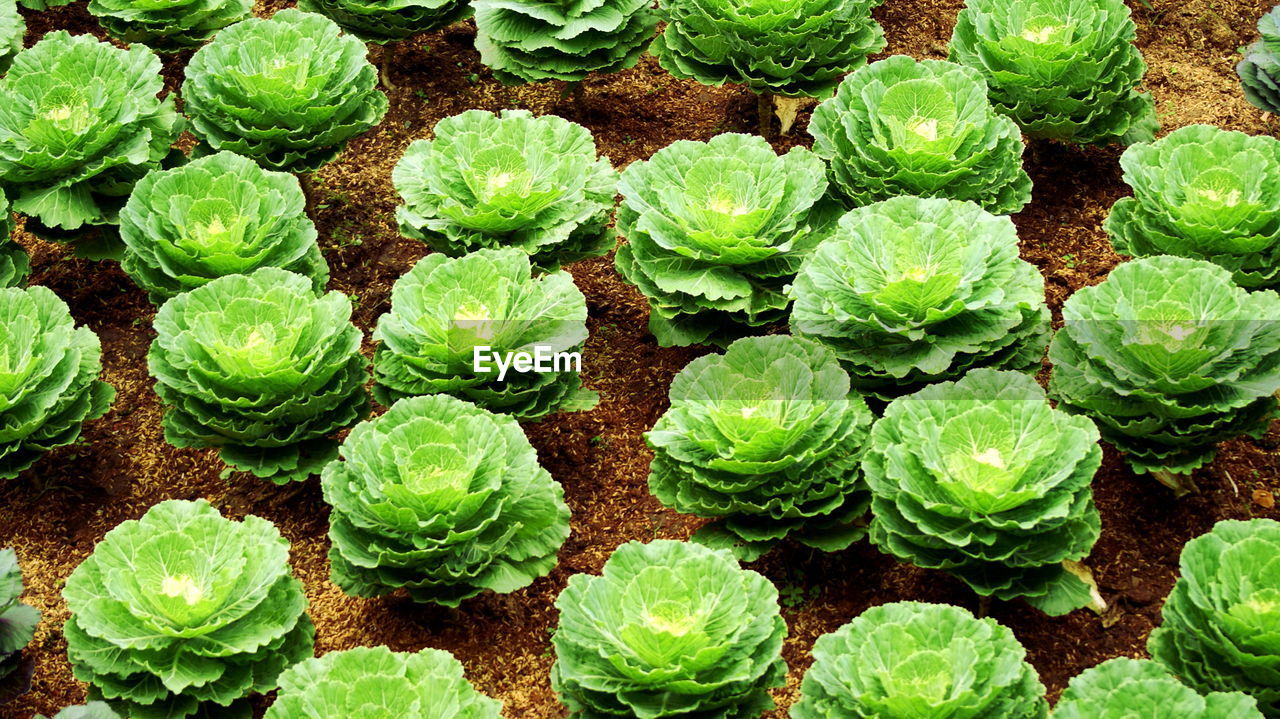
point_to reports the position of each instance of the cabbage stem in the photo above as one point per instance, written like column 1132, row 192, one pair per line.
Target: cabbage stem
column 1181, row 484
column 764, row 107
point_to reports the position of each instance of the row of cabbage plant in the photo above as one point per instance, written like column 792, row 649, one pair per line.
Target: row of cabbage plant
column 1065, row 70
column 183, row 612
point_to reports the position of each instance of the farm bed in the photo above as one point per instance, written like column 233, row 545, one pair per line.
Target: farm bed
column 55, row 514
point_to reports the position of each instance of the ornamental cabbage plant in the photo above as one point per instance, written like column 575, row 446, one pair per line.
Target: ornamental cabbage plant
column 533, row 40
column 261, row 368
column 1221, row 628
column 925, row 128
column 168, row 26
column 768, row 439
column 17, row 627
column 928, row 661
column 377, row 682
column 1065, row 70
column 219, row 215
column 80, row 123
column 669, row 629
column 14, row 263
column 984, row 479
column 771, row 46
column 716, row 231
column 1170, row 358
column 185, row 613
column 443, row 499
column 12, row 29
column 384, row 21
column 289, row 92
column 508, row 180
column 911, row 291
column 1141, row 689
column 1205, row 193
column 49, row 386
column 443, row 311
column 1260, row 69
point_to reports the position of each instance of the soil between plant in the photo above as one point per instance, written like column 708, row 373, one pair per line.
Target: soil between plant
column 55, row 513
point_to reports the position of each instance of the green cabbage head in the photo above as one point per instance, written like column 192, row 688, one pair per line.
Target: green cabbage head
column 1260, row 69
column 219, row 215
column 443, row 499
column 668, row 630
column 533, row 40
column 1063, row 69
column 1205, row 193
column 288, row 92
column 261, row 368
column 184, row 613
column 12, row 30
column 373, row 683
column 384, row 21
column 17, row 627
column 49, row 384
column 1221, row 627
column 443, row 309
column 924, row 661
column 911, row 291
column 1170, row 358
column 983, row 479
column 716, row 232
column 168, row 25
column 783, row 47
column 15, row 265
column 508, row 180
column 925, row 128
column 92, row 710
column 768, row 439
column 80, row 123
column 1127, row 688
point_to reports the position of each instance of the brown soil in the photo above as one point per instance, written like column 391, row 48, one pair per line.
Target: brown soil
column 56, row 512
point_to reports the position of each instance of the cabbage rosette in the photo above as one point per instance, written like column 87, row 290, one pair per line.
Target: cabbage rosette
column 12, row 30
column 17, row 627
column 768, row 439
column 261, row 368
column 533, row 40
column 1221, row 626
column 668, row 630
column 1062, row 69
column 983, row 479
column 443, row 499
column 926, row 661
column 716, row 231
column 508, row 180
column 911, row 291
column 1204, row 193
column 1170, row 358
column 185, row 613
column 443, row 309
column 376, row 682
column 80, row 123
column 289, row 92
column 1127, row 688
column 781, row 47
column 216, row 216
column 384, row 21
column 49, row 371
column 925, row 128
column 168, row 25
column 1259, row 71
